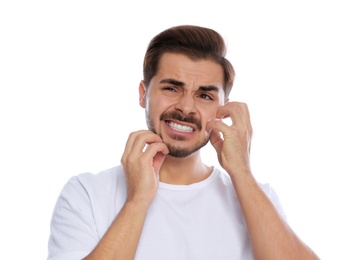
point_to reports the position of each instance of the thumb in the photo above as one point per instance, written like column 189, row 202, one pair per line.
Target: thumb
column 216, row 139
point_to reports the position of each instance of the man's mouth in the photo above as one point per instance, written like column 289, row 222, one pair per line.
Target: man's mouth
column 174, row 120
column 178, row 127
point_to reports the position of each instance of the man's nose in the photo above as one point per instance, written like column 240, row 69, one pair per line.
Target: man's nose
column 186, row 104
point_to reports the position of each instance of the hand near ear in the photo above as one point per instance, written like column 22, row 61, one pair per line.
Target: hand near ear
column 232, row 143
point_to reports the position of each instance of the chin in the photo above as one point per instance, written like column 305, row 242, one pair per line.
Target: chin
column 180, row 152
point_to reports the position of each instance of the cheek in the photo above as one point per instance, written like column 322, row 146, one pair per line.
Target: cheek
column 159, row 105
column 154, row 109
column 208, row 114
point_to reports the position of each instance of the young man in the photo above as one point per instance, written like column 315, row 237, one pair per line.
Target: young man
column 163, row 202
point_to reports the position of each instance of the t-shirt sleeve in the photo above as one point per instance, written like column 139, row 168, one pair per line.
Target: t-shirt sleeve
column 73, row 230
column 274, row 198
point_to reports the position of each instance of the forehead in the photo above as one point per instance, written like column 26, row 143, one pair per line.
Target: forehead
column 183, row 68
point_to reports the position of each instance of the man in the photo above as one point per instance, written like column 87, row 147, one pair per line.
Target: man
column 163, row 202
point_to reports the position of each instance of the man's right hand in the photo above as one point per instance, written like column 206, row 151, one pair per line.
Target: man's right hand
column 142, row 159
column 143, row 156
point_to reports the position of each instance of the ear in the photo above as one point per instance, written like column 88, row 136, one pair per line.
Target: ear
column 142, row 93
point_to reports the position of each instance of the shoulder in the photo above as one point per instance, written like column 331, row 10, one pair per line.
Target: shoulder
column 84, row 209
column 105, row 179
column 224, row 179
column 86, row 184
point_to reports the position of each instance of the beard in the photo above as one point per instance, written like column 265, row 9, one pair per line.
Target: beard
column 178, row 151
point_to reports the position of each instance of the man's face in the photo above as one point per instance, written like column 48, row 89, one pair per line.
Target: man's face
column 180, row 99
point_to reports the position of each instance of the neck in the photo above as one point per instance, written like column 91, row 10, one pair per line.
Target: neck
column 184, row 171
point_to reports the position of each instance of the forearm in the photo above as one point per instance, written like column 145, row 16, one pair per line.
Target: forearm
column 122, row 238
column 141, row 166
column 270, row 235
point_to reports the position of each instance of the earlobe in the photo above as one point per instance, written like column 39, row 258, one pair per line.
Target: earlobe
column 142, row 93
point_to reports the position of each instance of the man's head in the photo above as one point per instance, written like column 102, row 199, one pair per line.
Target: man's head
column 186, row 80
column 193, row 41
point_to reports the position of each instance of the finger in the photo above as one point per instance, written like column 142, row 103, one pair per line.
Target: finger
column 131, row 139
column 137, row 141
column 246, row 117
column 231, row 110
column 155, row 148
column 153, row 154
column 238, row 112
column 217, row 126
column 215, row 138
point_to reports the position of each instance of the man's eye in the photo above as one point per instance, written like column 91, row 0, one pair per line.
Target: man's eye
column 170, row 89
column 205, row 96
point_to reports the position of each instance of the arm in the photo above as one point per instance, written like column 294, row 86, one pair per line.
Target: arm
column 122, row 237
column 142, row 177
column 270, row 236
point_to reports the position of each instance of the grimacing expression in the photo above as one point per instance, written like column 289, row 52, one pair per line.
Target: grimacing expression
column 178, row 151
column 179, row 101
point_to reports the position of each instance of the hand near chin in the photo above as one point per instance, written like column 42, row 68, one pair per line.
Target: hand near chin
column 232, row 142
column 143, row 156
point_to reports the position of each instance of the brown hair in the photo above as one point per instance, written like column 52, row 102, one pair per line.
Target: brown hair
column 194, row 41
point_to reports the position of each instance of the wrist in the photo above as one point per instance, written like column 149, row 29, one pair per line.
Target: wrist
column 138, row 204
column 241, row 176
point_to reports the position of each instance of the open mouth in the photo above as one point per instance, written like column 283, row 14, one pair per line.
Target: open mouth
column 179, row 127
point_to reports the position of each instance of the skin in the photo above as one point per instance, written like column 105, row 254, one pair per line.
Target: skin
column 193, row 98
column 181, row 85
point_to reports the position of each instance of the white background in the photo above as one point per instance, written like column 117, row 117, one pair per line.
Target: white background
column 69, row 75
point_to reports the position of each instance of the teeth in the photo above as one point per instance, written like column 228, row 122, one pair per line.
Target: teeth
column 180, row 128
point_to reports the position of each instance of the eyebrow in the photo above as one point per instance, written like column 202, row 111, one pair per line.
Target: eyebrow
column 172, row 82
column 181, row 84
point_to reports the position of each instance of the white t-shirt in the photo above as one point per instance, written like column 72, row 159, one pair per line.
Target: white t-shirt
column 198, row 221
